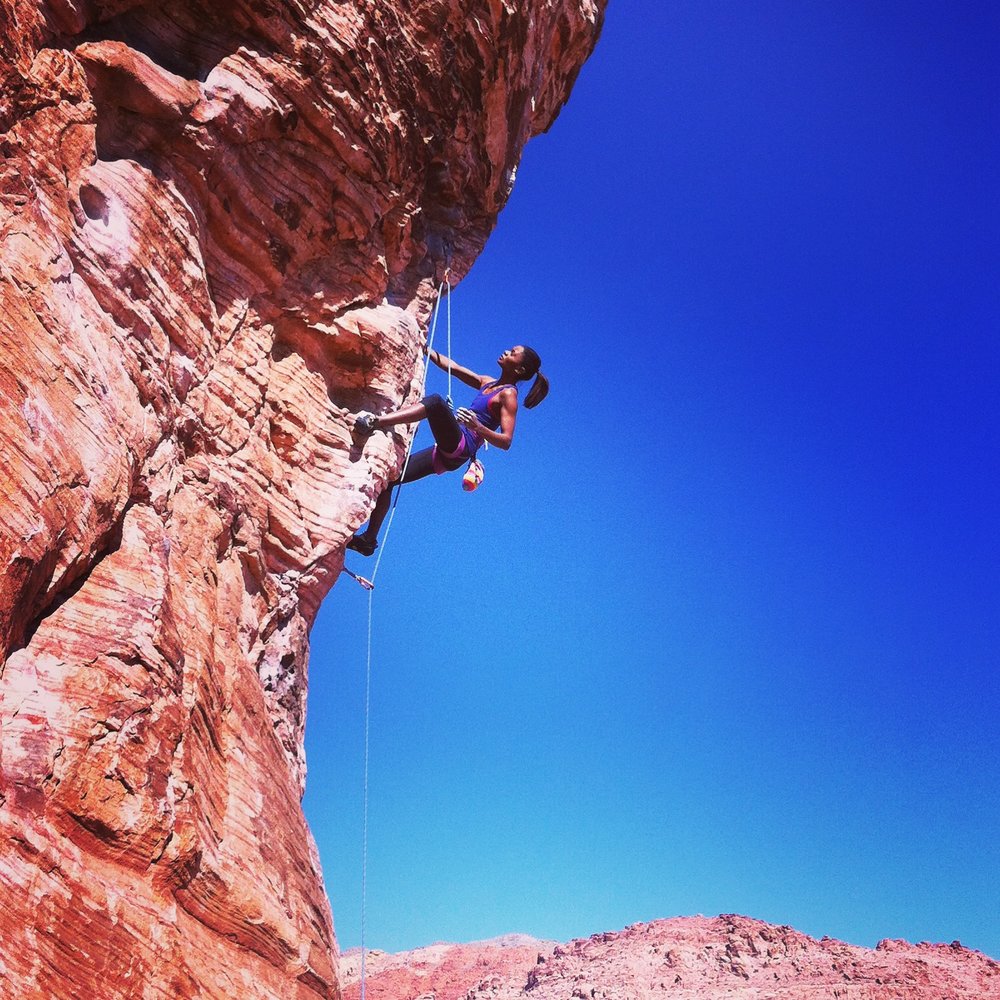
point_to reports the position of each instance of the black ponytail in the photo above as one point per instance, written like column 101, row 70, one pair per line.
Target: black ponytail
column 540, row 388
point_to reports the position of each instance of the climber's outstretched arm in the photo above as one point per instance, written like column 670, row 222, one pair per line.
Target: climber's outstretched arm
column 463, row 374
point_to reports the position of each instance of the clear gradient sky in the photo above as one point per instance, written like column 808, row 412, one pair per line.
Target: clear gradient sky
column 721, row 632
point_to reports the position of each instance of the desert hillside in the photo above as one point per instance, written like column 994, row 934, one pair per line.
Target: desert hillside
column 684, row 958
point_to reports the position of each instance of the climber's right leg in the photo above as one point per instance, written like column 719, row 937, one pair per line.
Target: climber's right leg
column 433, row 409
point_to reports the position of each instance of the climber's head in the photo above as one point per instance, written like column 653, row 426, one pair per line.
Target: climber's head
column 521, row 363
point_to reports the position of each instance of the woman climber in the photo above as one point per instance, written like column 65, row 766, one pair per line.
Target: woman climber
column 489, row 417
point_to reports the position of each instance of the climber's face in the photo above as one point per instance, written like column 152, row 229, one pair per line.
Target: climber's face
column 512, row 358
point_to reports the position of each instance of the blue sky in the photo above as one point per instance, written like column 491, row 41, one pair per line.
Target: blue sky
column 720, row 633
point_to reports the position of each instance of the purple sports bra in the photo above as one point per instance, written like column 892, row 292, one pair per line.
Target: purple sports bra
column 480, row 406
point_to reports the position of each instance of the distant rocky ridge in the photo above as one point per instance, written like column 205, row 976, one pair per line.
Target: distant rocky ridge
column 684, row 958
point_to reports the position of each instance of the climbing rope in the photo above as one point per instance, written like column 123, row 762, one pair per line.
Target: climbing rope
column 364, row 808
column 451, row 402
column 369, row 585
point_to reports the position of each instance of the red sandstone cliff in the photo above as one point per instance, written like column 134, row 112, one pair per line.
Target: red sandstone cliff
column 686, row 958
column 220, row 228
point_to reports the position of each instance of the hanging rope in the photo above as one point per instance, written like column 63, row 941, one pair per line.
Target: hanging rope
column 369, row 585
column 364, row 807
column 451, row 402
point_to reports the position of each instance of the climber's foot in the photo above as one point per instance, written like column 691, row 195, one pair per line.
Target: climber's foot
column 363, row 543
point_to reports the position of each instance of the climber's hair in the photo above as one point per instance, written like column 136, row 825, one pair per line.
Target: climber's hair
column 540, row 387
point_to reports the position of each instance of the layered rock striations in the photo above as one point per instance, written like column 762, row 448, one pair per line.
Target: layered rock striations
column 685, row 958
column 221, row 227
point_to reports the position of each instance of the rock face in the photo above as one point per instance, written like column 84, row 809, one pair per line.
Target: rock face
column 686, row 958
column 221, row 227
